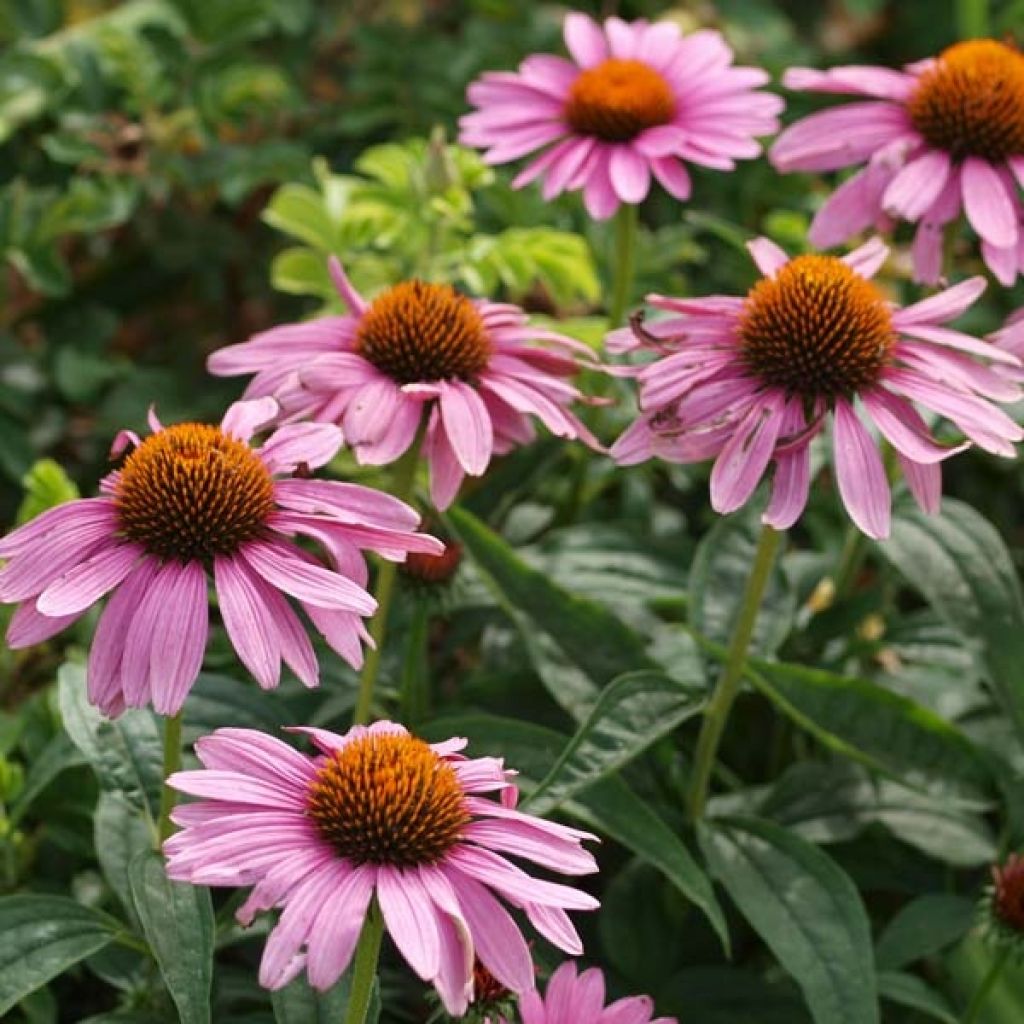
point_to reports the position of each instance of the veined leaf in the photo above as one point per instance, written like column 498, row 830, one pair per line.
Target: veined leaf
column 42, row 936
column 635, row 711
column 805, row 908
column 961, row 566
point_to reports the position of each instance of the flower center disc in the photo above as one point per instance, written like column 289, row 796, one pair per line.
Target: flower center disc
column 971, row 103
column 816, row 329
column 191, row 492
column 421, row 332
column 617, row 99
column 388, row 799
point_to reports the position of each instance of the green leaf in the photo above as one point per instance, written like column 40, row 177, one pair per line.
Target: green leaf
column 718, row 577
column 297, row 1003
column 120, row 835
column 41, row 937
column 57, row 756
column 589, row 636
column 126, row 753
column 608, row 806
column 635, row 711
column 301, row 271
column 177, row 920
column 883, row 730
column 911, row 991
column 46, row 486
column 924, row 927
column 961, row 566
column 299, row 211
column 806, row 910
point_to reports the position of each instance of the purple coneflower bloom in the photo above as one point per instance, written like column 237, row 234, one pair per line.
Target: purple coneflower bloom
column 378, row 815
column 191, row 501
column 635, row 100
column 750, row 382
column 572, row 999
column 942, row 135
column 418, row 349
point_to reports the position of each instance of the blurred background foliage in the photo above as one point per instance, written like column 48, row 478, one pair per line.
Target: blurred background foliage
column 172, row 174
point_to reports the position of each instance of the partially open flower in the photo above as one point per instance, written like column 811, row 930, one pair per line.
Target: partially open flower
column 942, row 135
column 635, row 100
column 751, row 381
column 194, row 501
column 1003, row 906
column 579, row 999
column 474, row 371
column 378, row 814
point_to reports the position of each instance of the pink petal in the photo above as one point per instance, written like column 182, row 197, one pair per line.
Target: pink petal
column 355, row 302
column 860, row 473
column 916, row 187
column 743, row 460
column 309, row 444
column 250, row 626
column 410, row 918
column 332, row 940
column 945, row 305
column 88, row 581
column 243, row 419
column 630, row 176
column 27, row 627
column 467, row 426
column 768, row 256
column 925, row 483
column 287, row 938
column 498, row 940
column 901, row 425
column 179, row 639
column 989, row 206
column 868, row 258
column 584, row 40
column 283, row 566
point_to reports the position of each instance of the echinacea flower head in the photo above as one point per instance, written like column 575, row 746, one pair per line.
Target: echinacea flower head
column 573, row 998
column 193, row 501
column 635, row 100
column 750, row 382
column 941, row 136
column 474, row 371
column 377, row 814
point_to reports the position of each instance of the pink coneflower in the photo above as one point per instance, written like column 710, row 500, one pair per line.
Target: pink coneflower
column 750, row 381
column 472, row 367
column 942, row 134
column 635, row 99
column 379, row 814
column 573, row 999
column 190, row 501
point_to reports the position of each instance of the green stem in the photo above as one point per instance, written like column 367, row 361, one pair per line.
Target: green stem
column 172, row 762
column 717, row 712
column 850, row 560
column 403, row 479
column 972, row 19
column 415, row 681
column 988, row 982
column 622, row 264
column 365, row 968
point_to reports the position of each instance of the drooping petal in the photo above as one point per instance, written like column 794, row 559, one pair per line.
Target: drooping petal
column 860, row 473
